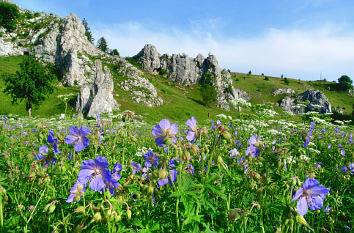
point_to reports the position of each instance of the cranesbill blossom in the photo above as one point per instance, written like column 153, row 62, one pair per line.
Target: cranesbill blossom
column 192, row 132
column 78, row 136
column 310, row 195
column 116, row 171
column 96, row 171
column 234, row 153
column 44, row 156
column 151, row 159
column 136, row 167
column 171, row 178
column 52, row 140
column 76, row 192
column 344, row 169
column 351, row 167
column 254, row 144
column 164, row 131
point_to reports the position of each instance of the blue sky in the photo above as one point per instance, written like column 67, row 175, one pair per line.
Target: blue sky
column 305, row 39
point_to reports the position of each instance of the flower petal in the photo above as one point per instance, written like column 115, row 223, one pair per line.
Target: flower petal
column 302, row 206
column 190, row 135
column 70, row 139
column 84, row 131
column 79, row 146
column 43, row 150
column 85, row 175
column 88, row 164
column 297, row 194
column 101, row 162
column 315, row 202
column 157, row 131
column 165, row 124
column 309, row 183
column 174, row 129
column 318, row 189
column 159, row 141
column 74, row 130
column 97, row 183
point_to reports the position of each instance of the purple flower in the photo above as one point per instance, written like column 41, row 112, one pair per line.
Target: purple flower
column 172, row 163
column 344, row 169
column 254, row 142
column 111, row 185
column 151, row 159
column 171, row 178
column 337, row 130
column 327, row 209
column 116, row 171
column 329, row 146
column 351, row 167
column 164, row 132
column 342, row 152
column 306, row 143
column 96, row 171
column 318, row 165
column 76, row 192
column 44, row 156
column 310, row 195
column 136, row 167
column 234, row 153
column 52, row 140
column 189, row 169
column 323, row 130
column 192, row 132
column 78, row 136
column 98, row 122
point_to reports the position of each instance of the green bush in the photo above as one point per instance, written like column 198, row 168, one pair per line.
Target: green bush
column 208, row 94
column 8, row 15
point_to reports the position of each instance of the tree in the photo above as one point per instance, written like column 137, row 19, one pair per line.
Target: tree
column 286, row 81
column 102, row 44
column 208, row 93
column 32, row 83
column 114, row 52
column 88, row 32
column 8, row 15
column 345, row 83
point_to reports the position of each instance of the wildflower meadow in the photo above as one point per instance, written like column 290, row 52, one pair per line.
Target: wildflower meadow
column 219, row 175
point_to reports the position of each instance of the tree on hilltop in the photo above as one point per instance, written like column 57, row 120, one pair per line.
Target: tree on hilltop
column 32, row 83
column 345, row 82
column 102, row 44
column 88, row 32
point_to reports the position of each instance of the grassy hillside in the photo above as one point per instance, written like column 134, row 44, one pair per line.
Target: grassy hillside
column 261, row 90
column 180, row 103
column 51, row 106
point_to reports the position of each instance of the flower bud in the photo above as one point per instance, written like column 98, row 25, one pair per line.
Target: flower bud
column 163, row 174
column 226, row 135
column 117, row 218
column 51, row 209
column 195, row 149
column 31, row 208
column 167, row 141
column 2, row 190
column 186, row 156
column 150, row 189
column 97, row 217
column 79, row 209
column 300, row 219
column 129, row 214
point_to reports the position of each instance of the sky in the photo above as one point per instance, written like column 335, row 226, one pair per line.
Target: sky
column 300, row 39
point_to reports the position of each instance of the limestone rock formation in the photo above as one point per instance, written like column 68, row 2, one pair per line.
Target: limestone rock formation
column 281, row 91
column 188, row 71
column 309, row 100
column 102, row 92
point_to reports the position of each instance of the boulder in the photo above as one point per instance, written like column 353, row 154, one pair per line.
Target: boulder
column 281, row 91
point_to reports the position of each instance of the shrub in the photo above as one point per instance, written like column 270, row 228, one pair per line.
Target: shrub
column 9, row 14
column 286, row 81
column 266, row 78
column 208, row 93
column 163, row 72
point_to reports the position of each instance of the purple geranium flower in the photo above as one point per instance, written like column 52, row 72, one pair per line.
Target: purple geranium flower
column 351, row 167
column 52, row 140
column 44, row 156
column 254, row 143
column 327, row 209
column 342, row 152
column 344, row 169
column 78, row 136
column 76, row 192
column 164, row 131
column 96, row 171
column 151, row 159
column 234, row 153
column 192, row 132
column 116, row 171
column 136, row 167
column 171, row 178
column 310, row 195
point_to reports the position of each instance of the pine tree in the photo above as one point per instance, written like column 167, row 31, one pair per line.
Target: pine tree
column 102, row 44
column 88, row 32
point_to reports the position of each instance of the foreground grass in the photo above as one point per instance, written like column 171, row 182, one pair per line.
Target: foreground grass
column 213, row 191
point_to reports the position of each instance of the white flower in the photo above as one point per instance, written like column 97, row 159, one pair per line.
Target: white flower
column 304, row 157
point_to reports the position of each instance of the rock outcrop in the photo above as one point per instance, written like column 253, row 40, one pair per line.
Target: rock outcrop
column 309, row 100
column 101, row 91
column 281, row 91
column 188, row 71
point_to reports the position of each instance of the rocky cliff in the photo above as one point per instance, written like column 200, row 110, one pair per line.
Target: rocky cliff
column 188, row 71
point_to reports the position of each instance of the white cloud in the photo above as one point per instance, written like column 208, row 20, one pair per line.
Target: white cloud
column 296, row 53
